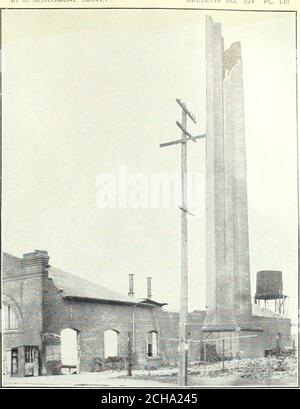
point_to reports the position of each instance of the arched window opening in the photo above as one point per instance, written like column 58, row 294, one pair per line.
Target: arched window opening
column 111, row 343
column 69, row 349
column 152, row 343
column 10, row 317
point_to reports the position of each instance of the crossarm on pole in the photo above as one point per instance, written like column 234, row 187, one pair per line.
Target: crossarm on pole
column 162, row 145
column 186, row 211
column 191, row 138
column 183, row 106
column 183, row 129
column 194, row 138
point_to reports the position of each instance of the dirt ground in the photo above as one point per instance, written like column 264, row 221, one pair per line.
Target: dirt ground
column 87, row 380
column 258, row 372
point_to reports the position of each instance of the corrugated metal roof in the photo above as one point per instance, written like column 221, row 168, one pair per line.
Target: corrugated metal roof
column 77, row 287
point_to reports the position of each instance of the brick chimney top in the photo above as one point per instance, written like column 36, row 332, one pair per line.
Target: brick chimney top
column 38, row 259
column 131, row 292
column 36, row 253
column 149, row 290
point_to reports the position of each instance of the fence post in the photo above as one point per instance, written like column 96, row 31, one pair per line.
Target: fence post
column 129, row 366
column 204, row 350
column 223, row 355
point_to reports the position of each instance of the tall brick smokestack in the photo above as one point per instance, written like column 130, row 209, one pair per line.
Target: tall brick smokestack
column 149, row 291
column 228, row 295
column 131, row 292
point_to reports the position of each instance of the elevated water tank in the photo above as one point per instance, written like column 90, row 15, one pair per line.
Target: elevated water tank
column 269, row 285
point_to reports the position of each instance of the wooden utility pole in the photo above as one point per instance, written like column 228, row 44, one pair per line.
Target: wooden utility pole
column 182, row 368
column 183, row 345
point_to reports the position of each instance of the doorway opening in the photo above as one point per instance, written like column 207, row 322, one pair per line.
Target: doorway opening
column 69, row 351
column 111, row 344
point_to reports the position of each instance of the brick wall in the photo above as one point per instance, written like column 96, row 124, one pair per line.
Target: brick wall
column 22, row 289
column 91, row 319
column 274, row 328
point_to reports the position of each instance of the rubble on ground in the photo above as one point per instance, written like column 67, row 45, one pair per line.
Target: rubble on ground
column 271, row 367
column 260, row 369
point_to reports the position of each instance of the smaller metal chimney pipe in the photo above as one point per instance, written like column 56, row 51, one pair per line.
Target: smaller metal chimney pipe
column 131, row 292
column 149, row 291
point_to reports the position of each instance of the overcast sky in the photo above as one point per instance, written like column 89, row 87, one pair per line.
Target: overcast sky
column 86, row 92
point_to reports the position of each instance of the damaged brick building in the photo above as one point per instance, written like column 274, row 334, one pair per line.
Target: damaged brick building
column 56, row 322
column 42, row 301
